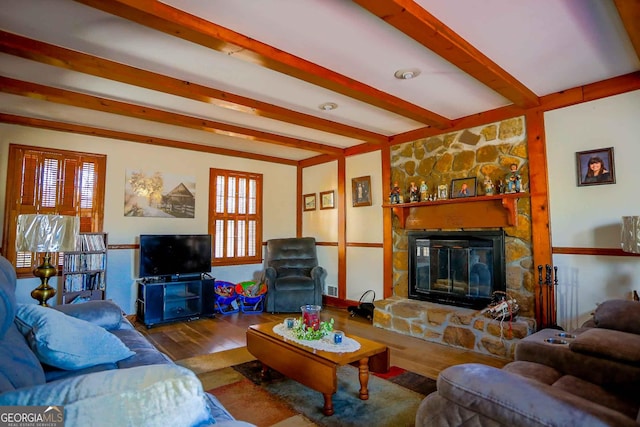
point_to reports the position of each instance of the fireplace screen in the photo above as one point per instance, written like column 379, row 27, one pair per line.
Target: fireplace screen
column 454, row 270
column 448, row 266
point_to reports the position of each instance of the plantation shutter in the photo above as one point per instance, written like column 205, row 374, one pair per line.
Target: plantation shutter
column 235, row 217
column 52, row 182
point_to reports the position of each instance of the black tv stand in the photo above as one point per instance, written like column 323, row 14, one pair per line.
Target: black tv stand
column 174, row 278
column 163, row 300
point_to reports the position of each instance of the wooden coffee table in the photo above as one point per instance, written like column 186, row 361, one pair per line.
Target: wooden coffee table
column 315, row 369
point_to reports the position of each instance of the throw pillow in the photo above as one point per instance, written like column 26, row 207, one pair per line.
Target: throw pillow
column 66, row 342
column 618, row 314
column 101, row 313
column 610, row 344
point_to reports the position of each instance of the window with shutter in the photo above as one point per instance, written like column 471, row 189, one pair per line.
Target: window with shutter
column 235, row 217
column 49, row 181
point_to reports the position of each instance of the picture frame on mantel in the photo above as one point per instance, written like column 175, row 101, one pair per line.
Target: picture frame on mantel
column 463, row 187
column 327, row 199
column 309, row 202
column 595, row 167
column 361, row 191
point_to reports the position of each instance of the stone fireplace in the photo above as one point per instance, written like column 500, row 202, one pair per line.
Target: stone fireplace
column 481, row 152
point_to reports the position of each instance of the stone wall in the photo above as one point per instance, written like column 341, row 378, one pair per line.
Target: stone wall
column 483, row 151
column 453, row 326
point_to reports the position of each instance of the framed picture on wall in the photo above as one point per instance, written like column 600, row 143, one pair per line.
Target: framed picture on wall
column 327, row 200
column 595, row 167
column 144, row 187
column 309, row 202
column 361, row 191
column 463, row 187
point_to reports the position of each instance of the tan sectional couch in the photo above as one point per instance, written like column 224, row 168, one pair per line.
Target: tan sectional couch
column 590, row 377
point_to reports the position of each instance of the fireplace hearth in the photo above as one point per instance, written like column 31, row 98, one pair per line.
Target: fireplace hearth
column 459, row 268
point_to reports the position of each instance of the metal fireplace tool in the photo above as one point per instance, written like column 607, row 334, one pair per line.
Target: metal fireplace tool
column 548, row 292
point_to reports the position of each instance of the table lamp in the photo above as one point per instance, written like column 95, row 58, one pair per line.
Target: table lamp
column 46, row 233
column 630, row 238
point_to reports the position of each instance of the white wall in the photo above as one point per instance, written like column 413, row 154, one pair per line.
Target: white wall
column 364, row 272
column 364, row 225
column 322, row 223
column 278, row 206
column 589, row 216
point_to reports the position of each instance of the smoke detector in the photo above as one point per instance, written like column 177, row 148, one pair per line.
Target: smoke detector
column 407, row 73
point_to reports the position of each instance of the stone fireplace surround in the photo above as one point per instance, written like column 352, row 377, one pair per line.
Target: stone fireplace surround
column 481, row 151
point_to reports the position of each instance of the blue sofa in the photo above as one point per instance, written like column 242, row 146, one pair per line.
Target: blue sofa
column 88, row 359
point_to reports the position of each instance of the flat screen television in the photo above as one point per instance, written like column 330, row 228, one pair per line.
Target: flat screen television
column 172, row 255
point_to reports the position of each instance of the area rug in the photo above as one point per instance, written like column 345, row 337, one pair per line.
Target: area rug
column 393, row 397
column 206, row 366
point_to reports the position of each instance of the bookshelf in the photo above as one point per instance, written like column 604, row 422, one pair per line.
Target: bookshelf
column 84, row 271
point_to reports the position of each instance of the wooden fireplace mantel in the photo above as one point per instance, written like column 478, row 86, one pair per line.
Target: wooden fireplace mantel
column 469, row 212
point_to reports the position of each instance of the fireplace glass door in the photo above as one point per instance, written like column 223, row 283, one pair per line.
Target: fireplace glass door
column 452, row 267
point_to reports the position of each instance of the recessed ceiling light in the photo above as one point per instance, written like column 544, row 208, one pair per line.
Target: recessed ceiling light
column 328, row 106
column 406, row 74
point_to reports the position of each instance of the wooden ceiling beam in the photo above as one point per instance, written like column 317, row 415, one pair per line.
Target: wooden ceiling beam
column 81, row 62
column 629, row 11
column 175, row 22
column 410, row 18
column 142, row 139
column 62, row 96
column 315, row 161
column 565, row 98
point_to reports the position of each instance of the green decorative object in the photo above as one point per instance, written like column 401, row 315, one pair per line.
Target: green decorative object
column 304, row 332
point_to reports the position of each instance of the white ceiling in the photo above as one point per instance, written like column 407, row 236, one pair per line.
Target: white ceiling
column 284, row 58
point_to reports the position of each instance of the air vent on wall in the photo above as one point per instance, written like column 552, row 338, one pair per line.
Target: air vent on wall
column 331, row 290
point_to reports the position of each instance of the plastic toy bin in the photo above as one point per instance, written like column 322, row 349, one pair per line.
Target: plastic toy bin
column 226, row 298
column 251, row 296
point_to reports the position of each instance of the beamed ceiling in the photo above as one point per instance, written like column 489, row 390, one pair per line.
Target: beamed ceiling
column 248, row 78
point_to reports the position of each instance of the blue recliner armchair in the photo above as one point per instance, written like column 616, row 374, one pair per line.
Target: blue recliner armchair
column 292, row 274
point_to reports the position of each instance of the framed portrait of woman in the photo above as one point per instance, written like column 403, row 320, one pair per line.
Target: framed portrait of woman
column 595, row 167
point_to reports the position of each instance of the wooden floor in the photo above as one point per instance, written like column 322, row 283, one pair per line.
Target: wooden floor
column 186, row 339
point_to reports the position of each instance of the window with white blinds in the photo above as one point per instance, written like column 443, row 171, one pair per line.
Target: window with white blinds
column 235, row 217
column 88, row 185
column 50, row 181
